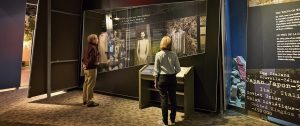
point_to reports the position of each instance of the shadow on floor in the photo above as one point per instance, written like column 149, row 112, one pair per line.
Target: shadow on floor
column 67, row 98
column 200, row 119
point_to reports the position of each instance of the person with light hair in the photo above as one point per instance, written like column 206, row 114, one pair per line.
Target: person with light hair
column 90, row 63
column 166, row 66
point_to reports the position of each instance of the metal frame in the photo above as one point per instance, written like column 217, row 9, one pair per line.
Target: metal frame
column 67, row 13
column 82, row 41
column 223, row 103
column 33, row 41
column 49, row 49
column 64, row 61
column 32, row 4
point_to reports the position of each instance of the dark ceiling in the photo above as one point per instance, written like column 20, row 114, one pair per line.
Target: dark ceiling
column 32, row 1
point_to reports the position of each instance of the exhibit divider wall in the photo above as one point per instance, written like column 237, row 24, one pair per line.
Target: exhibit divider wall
column 267, row 32
column 56, row 47
column 273, row 75
column 120, row 75
column 12, row 15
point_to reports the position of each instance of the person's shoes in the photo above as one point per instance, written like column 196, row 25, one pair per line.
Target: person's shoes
column 160, row 122
column 92, row 104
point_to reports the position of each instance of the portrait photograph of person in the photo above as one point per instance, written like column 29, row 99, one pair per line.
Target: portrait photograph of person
column 143, row 48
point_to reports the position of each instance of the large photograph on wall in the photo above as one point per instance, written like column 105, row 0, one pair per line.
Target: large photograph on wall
column 273, row 66
column 183, row 32
column 132, row 35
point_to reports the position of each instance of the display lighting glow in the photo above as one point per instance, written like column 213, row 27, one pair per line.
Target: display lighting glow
column 116, row 18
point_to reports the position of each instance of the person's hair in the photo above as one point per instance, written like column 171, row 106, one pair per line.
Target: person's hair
column 144, row 33
column 91, row 38
column 166, row 43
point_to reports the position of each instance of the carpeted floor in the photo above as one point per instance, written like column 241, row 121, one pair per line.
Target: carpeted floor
column 66, row 109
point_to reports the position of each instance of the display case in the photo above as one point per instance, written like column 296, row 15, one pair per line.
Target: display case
column 184, row 93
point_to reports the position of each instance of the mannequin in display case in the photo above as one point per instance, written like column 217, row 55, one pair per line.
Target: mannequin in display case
column 122, row 56
column 103, row 51
column 111, row 52
column 143, row 49
column 116, row 50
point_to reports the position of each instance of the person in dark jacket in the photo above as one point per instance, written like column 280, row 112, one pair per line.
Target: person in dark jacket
column 90, row 62
column 166, row 66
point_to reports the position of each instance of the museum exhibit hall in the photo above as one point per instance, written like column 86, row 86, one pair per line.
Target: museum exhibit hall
column 149, row 62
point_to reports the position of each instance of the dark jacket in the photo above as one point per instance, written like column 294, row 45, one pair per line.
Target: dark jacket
column 91, row 56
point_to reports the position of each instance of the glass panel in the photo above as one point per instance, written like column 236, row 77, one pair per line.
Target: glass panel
column 132, row 36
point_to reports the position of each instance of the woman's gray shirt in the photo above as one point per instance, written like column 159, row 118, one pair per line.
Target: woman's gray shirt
column 166, row 62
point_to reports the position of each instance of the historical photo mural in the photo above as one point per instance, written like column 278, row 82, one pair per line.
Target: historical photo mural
column 131, row 36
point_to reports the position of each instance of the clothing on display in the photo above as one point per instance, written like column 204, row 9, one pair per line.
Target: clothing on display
column 238, row 82
column 116, row 52
column 241, row 64
column 134, row 38
column 178, row 39
column 190, row 45
column 103, row 47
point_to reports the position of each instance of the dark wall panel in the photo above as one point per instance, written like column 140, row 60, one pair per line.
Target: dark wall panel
column 12, row 16
column 32, row 1
column 66, row 23
column 122, row 82
column 198, row 62
column 125, row 81
column 112, row 4
column 65, row 36
column 210, row 75
column 38, row 78
column 64, row 75
column 94, row 23
column 71, row 6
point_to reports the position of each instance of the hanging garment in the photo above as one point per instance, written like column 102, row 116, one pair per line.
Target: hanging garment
column 178, row 42
column 241, row 64
column 103, row 47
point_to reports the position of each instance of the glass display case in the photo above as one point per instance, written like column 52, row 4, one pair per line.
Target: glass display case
column 131, row 36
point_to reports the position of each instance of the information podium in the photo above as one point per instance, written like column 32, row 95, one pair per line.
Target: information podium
column 184, row 92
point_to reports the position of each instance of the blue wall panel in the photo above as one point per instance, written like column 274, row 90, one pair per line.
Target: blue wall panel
column 238, row 24
column 12, row 16
column 236, row 40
